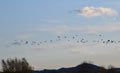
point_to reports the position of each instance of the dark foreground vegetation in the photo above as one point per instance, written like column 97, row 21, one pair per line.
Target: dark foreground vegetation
column 16, row 66
column 22, row 66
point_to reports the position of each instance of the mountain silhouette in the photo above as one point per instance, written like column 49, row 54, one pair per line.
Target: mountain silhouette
column 82, row 68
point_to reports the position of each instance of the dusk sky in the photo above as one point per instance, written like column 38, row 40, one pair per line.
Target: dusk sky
column 52, row 34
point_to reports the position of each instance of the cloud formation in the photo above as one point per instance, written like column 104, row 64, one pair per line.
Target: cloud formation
column 89, row 29
column 24, row 36
column 94, row 11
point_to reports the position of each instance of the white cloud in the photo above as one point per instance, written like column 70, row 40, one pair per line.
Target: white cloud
column 61, row 29
column 24, row 36
column 104, row 28
column 89, row 29
column 94, row 11
column 92, row 49
column 53, row 21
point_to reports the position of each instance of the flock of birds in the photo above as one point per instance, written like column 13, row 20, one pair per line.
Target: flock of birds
column 76, row 39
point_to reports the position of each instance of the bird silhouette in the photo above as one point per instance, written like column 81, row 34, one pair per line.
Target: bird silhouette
column 26, row 42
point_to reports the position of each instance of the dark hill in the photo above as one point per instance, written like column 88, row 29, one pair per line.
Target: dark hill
column 82, row 68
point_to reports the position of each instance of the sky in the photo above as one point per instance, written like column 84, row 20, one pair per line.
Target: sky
column 52, row 34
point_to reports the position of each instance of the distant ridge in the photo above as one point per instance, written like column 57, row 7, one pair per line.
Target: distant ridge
column 82, row 68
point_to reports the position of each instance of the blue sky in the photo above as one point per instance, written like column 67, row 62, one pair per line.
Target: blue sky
column 50, row 33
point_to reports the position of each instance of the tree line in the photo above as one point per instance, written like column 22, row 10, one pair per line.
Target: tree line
column 22, row 66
